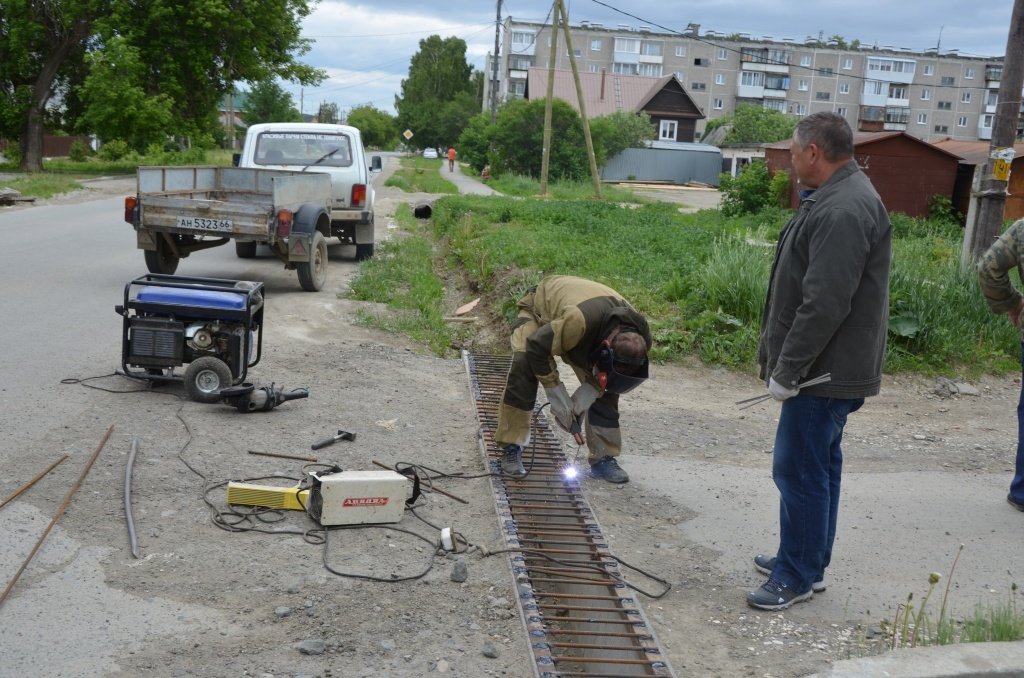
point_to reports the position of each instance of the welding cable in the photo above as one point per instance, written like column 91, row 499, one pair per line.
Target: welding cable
column 150, row 384
column 368, row 577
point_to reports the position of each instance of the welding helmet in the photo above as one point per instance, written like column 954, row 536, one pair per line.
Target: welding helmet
column 616, row 373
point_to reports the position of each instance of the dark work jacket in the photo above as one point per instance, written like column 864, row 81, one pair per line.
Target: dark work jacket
column 827, row 306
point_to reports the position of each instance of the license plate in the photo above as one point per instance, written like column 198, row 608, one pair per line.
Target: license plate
column 204, row 224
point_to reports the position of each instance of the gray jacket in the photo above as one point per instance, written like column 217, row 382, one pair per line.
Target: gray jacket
column 827, row 307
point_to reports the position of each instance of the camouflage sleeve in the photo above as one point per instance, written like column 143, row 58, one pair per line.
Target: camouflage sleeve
column 994, row 268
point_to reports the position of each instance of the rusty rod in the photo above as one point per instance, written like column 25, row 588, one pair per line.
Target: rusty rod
column 32, row 482
column 60, row 512
column 284, row 456
column 425, row 488
column 128, row 497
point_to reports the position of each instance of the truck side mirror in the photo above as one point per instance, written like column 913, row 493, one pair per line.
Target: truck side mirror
column 375, row 164
column 235, row 159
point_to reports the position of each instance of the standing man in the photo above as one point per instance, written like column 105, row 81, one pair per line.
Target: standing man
column 1004, row 254
column 826, row 312
column 451, row 158
column 602, row 338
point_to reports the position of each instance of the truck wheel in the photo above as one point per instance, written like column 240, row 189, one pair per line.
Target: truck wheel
column 162, row 259
column 205, row 377
column 245, row 249
column 313, row 273
column 364, row 252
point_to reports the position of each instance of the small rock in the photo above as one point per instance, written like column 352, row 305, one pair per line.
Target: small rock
column 442, row 666
column 966, row 389
column 282, row 611
column 460, row 572
column 388, row 645
column 489, row 650
column 312, row 647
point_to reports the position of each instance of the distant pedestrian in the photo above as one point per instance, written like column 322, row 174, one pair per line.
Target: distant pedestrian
column 451, row 158
column 1007, row 253
column 826, row 311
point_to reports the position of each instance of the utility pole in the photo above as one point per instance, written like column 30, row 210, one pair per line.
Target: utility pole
column 494, row 66
column 988, row 197
column 583, row 106
column 546, row 151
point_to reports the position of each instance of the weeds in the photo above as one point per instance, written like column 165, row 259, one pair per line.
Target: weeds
column 421, row 175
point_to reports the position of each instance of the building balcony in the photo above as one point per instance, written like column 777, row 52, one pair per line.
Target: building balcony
column 648, row 59
column 765, row 68
column 750, row 91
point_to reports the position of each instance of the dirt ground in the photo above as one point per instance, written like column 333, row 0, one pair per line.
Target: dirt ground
column 201, row 601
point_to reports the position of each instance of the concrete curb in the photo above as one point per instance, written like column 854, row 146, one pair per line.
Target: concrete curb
column 945, row 661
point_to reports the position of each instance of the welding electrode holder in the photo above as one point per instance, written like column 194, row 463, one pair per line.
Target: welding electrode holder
column 247, row 398
column 577, row 431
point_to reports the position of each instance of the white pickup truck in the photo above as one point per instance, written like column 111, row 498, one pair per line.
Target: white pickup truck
column 335, row 150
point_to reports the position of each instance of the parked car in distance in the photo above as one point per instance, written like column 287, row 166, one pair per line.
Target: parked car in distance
column 430, row 153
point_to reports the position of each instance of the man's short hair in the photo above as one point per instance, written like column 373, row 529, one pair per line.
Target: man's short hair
column 630, row 349
column 828, row 131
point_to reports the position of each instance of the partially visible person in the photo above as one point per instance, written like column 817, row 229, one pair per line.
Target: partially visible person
column 826, row 311
column 451, row 158
column 1007, row 253
column 605, row 341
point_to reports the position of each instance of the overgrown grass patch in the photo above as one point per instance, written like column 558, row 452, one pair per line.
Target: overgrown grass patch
column 42, row 185
column 522, row 186
column 420, row 175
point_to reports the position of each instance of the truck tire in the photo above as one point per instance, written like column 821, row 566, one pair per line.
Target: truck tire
column 313, row 273
column 245, row 249
column 205, row 377
column 364, row 252
column 162, row 259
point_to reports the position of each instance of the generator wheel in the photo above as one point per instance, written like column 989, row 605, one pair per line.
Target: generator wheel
column 205, row 377
column 313, row 273
column 162, row 259
column 245, row 249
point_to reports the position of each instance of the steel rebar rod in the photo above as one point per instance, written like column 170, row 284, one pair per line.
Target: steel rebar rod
column 128, row 497
column 32, row 482
column 60, row 512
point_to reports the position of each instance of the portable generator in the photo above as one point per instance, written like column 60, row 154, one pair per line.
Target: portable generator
column 213, row 325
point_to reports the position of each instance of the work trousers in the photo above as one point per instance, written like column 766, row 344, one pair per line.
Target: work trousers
column 1017, row 485
column 807, row 468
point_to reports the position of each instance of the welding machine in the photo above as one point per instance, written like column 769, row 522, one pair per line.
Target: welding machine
column 212, row 324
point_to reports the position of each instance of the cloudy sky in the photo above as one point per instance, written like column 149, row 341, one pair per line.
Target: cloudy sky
column 365, row 47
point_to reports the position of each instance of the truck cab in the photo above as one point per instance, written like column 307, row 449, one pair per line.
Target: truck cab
column 335, row 150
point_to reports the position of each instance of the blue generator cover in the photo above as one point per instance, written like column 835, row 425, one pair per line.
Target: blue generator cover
column 178, row 296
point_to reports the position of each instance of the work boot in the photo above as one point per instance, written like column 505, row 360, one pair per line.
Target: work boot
column 765, row 564
column 610, row 470
column 512, row 460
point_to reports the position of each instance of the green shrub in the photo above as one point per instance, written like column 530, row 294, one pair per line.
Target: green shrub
column 115, row 149
column 750, row 191
column 79, row 151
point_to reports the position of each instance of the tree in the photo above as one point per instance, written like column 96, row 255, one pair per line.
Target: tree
column 439, row 96
column 42, row 48
column 379, row 128
column 518, row 136
column 267, row 101
column 328, row 113
column 615, row 132
column 754, row 125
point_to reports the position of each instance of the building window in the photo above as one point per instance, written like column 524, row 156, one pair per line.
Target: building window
column 700, row 61
column 929, row 69
column 595, row 45
column 650, row 70
column 942, row 129
column 680, row 76
column 625, row 69
column 965, row 97
column 822, row 96
column 961, row 121
column 575, row 52
column 651, row 49
column 519, row 63
column 775, row 105
column 628, row 45
column 897, row 91
column 805, row 60
column 945, row 106
column 844, row 88
column 522, row 39
column 752, row 78
column 841, row 111
column 992, row 98
column 873, row 87
column 900, row 116
column 517, row 87
column 926, row 94
column 803, row 86
column 826, row 72
column 719, row 78
column 718, row 104
column 723, row 54
column 800, row 109
column 776, row 81
column 698, row 86
column 969, row 74
column 594, row 68
column 667, row 130
column 922, row 118
column 680, row 50
column 847, row 64
column 986, row 121
column 947, row 81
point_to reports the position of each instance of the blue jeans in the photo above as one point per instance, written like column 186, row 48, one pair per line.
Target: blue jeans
column 1017, row 485
column 807, row 466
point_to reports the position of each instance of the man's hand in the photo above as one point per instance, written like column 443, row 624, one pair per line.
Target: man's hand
column 561, row 406
column 582, row 399
column 780, row 392
column 1015, row 313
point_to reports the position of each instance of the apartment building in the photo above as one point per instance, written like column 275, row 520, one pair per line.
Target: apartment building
column 930, row 95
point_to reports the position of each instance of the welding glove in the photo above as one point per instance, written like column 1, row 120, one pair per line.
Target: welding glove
column 780, row 392
column 561, row 405
column 582, row 399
